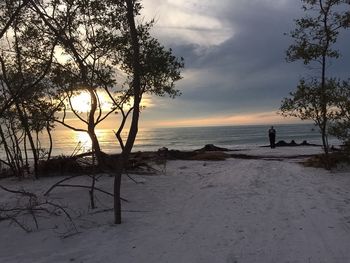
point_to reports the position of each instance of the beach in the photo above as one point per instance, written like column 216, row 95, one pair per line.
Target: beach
column 263, row 210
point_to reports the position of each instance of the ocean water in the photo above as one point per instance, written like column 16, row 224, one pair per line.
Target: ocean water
column 189, row 138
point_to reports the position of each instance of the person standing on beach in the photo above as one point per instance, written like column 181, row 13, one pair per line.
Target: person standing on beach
column 272, row 137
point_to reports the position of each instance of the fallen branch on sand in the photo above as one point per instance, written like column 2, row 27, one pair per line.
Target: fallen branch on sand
column 59, row 184
column 30, row 205
column 155, row 162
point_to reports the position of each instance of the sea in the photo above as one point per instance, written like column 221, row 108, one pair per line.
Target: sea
column 69, row 142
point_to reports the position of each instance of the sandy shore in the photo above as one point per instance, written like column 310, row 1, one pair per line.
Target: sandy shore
column 236, row 210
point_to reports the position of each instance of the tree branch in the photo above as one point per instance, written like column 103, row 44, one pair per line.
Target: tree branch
column 13, row 17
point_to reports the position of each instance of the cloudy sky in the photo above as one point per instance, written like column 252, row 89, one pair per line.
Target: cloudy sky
column 235, row 68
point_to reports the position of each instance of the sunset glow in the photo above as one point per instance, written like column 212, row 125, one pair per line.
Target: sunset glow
column 83, row 139
column 81, row 102
column 262, row 118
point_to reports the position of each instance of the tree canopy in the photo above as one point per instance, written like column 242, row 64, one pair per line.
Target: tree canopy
column 52, row 50
column 314, row 37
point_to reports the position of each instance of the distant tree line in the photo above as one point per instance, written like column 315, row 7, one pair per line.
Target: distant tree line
column 51, row 51
column 322, row 98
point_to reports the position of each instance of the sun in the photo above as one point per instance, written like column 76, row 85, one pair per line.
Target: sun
column 81, row 101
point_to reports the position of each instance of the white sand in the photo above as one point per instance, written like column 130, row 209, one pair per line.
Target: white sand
column 230, row 211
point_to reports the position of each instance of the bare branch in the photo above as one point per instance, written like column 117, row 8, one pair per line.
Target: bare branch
column 65, row 124
column 88, row 187
column 70, row 127
column 21, row 192
column 59, row 182
column 13, row 17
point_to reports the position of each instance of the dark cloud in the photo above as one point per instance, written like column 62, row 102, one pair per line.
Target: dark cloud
column 248, row 71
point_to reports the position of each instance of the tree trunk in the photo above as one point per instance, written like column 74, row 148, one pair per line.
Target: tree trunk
column 24, row 121
column 48, row 129
column 136, row 86
column 91, row 129
column 9, row 156
column 116, row 190
column 324, row 99
column 96, row 147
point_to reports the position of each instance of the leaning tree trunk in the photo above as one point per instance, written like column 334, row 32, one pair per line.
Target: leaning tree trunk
column 91, row 129
column 48, row 130
column 136, row 87
column 9, row 156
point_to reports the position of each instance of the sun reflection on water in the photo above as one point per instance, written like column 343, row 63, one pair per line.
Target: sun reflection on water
column 83, row 141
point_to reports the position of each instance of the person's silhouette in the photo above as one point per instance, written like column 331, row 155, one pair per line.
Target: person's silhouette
column 272, row 137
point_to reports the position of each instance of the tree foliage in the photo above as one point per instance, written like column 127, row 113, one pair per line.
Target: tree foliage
column 341, row 126
column 306, row 102
column 314, row 38
column 316, row 33
column 60, row 48
column 91, row 50
column 25, row 105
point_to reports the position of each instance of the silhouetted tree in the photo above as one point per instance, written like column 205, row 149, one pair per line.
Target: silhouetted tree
column 306, row 102
column 87, row 37
column 98, row 45
column 151, row 69
column 24, row 87
column 314, row 38
column 341, row 126
column 10, row 12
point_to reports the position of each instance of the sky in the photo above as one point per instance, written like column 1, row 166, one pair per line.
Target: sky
column 235, row 68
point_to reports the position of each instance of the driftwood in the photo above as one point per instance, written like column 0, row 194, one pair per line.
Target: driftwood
column 83, row 164
column 61, row 184
column 141, row 162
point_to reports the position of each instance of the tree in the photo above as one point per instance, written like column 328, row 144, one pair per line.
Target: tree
column 341, row 127
column 153, row 70
column 314, row 37
column 306, row 102
column 24, row 87
column 88, row 34
column 11, row 14
column 100, row 40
